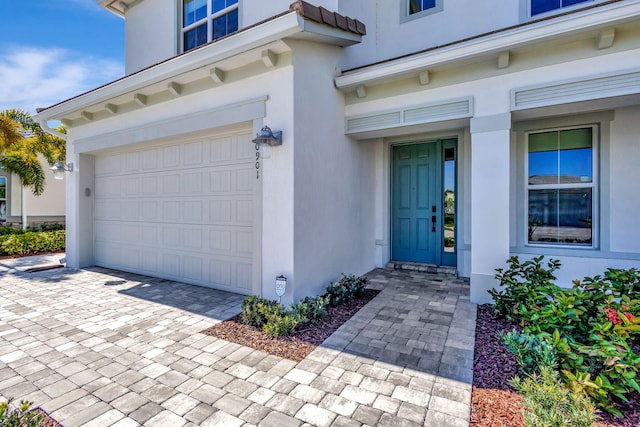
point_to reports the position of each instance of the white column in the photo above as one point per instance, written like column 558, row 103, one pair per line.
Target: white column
column 79, row 208
column 490, row 141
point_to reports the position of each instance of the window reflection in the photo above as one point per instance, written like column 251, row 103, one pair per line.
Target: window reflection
column 560, row 182
column 449, row 200
column 561, row 216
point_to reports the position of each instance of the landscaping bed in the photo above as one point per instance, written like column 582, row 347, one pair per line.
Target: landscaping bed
column 295, row 347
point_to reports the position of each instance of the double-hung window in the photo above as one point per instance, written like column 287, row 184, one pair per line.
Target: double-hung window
column 207, row 20
column 538, row 7
column 562, row 186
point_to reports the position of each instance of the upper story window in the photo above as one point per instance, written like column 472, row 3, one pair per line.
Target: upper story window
column 562, row 187
column 207, row 20
column 538, row 7
column 412, row 9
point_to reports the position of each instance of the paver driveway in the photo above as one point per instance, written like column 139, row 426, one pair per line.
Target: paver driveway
column 98, row 347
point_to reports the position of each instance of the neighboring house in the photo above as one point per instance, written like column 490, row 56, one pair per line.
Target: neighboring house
column 384, row 108
column 49, row 207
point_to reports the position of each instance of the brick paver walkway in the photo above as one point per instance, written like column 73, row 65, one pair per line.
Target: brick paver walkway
column 103, row 348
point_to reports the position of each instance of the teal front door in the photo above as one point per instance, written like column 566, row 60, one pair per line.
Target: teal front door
column 415, row 212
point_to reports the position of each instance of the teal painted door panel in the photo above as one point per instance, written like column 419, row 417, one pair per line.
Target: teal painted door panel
column 413, row 197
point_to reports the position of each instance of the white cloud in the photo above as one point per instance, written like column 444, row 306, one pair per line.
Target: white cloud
column 35, row 77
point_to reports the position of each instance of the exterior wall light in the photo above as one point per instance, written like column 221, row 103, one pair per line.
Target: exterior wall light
column 265, row 139
column 60, row 168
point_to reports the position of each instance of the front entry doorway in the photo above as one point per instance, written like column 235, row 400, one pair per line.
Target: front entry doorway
column 423, row 211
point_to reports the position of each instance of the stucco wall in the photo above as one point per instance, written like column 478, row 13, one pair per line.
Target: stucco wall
column 333, row 181
column 150, row 34
column 390, row 34
column 51, row 203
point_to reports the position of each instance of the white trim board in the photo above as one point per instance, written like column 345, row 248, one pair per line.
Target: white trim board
column 235, row 113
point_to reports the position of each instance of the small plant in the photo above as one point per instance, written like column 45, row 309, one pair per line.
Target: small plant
column 549, row 403
column 255, row 310
column 281, row 323
column 528, row 287
column 311, row 309
column 22, row 416
column 346, row 289
column 532, row 353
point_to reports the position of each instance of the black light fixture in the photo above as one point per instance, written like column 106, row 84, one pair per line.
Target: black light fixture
column 60, row 168
column 265, row 139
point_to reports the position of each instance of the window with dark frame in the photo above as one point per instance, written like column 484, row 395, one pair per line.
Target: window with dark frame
column 416, row 6
column 207, row 20
column 538, row 7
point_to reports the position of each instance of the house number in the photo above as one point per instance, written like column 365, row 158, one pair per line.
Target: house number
column 257, row 161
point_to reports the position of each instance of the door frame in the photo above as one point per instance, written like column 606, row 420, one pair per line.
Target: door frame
column 438, row 138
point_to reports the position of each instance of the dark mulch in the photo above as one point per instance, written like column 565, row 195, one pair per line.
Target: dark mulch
column 494, row 402
column 297, row 347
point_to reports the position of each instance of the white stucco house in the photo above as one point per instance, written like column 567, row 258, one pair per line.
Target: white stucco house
column 48, row 207
column 450, row 133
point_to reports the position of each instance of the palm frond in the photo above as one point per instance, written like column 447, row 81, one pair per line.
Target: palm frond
column 9, row 133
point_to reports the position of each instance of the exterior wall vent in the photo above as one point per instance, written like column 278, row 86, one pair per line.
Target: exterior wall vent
column 413, row 115
column 575, row 91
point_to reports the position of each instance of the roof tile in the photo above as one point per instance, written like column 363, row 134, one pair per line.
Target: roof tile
column 327, row 17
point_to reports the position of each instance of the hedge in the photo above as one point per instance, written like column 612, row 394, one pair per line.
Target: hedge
column 32, row 242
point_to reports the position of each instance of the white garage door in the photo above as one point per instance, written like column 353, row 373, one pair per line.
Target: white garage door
column 183, row 211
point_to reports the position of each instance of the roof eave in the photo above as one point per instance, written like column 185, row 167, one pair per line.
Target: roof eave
column 495, row 42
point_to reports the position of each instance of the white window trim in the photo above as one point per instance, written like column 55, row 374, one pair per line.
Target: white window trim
column 208, row 20
column 594, row 185
column 525, row 9
column 405, row 16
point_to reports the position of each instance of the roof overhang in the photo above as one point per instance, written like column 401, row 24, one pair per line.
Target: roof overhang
column 118, row 7
column 600, row 17
column 236, row 50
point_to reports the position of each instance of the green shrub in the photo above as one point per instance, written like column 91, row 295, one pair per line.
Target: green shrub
column 549, row 403
column 532, row 353
column 22, row 416
column 255, row 310
column 592, row 327
column 346, row 289
column 32, row 242
column 276, row 320
column 528, row 288
column 281, row 323
column 7, row 229
column 311, row 309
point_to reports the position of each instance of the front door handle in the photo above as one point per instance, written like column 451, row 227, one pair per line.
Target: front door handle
column 433, row 223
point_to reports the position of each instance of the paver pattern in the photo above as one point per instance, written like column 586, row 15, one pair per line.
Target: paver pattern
column 98, row 347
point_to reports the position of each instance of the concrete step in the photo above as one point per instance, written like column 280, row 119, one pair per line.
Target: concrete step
column 421, row 267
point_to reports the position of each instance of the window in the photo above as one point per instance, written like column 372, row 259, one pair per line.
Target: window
column 538, row 7
column 207, row 20
column 3, row 198
column 561, row 186
column 418, row 8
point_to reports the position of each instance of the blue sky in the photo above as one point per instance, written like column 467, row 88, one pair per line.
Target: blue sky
column 51, row 50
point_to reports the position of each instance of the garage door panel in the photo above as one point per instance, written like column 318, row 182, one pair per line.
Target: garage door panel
column 181, row 212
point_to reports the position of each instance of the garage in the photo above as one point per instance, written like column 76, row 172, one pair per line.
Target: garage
column 181, row 210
